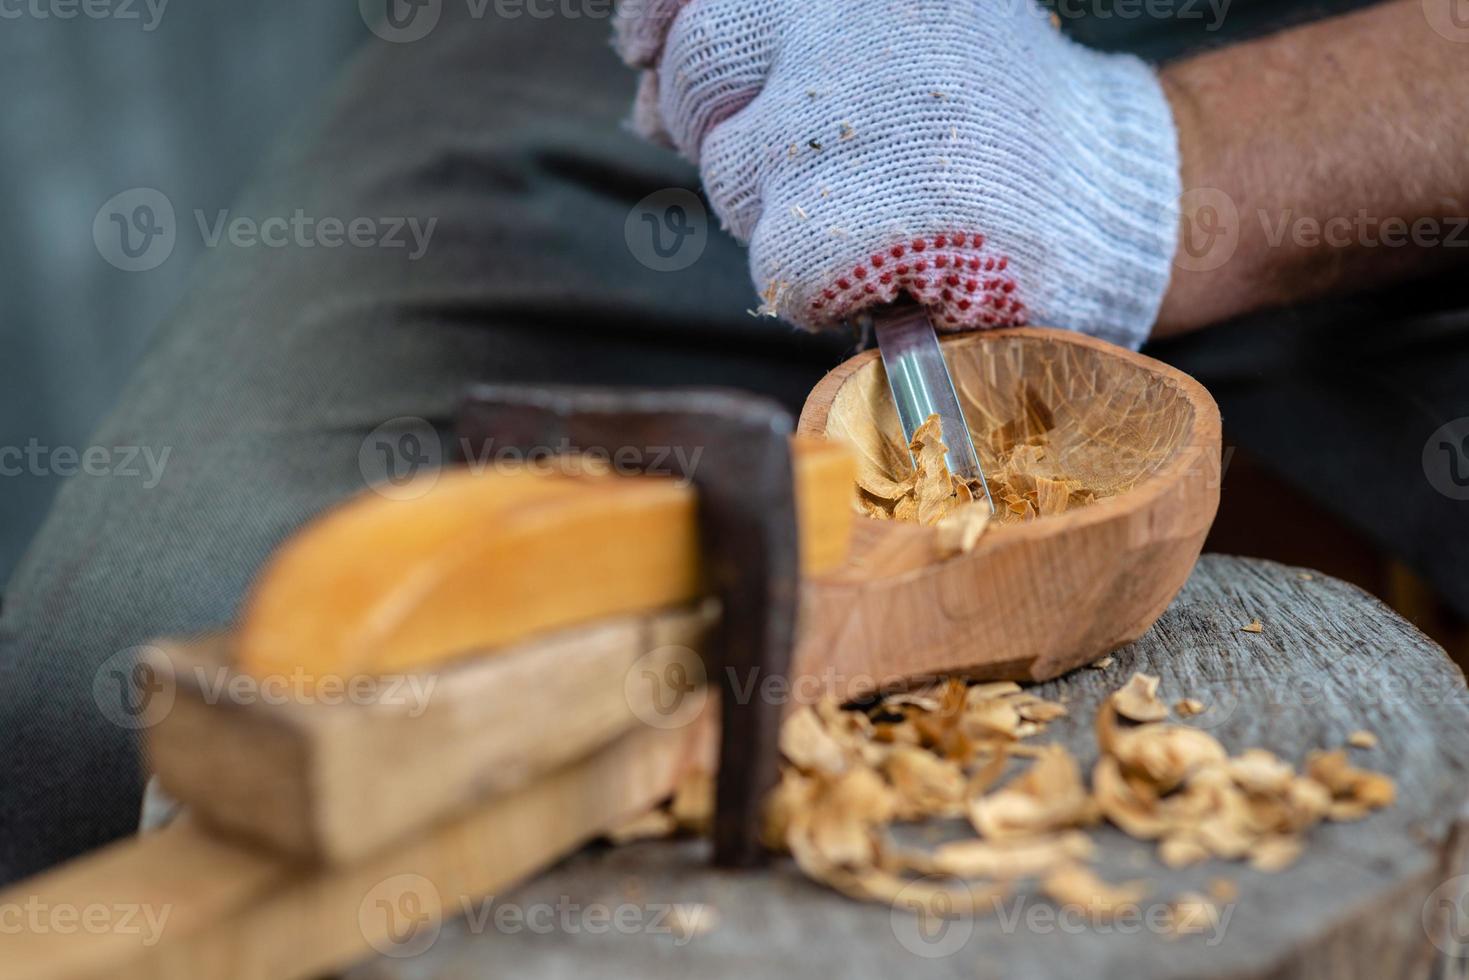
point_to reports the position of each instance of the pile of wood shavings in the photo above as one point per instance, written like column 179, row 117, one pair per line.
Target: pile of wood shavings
column 852, row 774
column 1024, row 485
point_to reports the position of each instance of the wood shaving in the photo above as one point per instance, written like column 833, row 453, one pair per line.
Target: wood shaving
column 1272, row 854
column 1181, row 851
column 959, row 530
column 1075, row 885
column 1050, row 796
column 1178, row 785
column 690, row 919
column 693, row 802
column 925, row 784
column 1025, row 483
column 943, row 752
column 1354, row 792
column 1362, row 739
column 805, row 741
column 1191, row 913
column 1189, row 708
column 1103, row 664
column 1012, row 858
column 1255, row 626
column 1138, row 699
column 651, row 825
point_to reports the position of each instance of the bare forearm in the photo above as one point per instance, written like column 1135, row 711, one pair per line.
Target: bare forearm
column 1326, row 158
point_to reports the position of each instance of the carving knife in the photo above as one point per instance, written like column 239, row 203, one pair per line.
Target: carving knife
column 921, row 386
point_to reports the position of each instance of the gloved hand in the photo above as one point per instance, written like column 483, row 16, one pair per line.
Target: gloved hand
column 961, row 151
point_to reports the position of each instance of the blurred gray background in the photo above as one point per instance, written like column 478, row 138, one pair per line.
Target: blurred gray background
column 187, row 103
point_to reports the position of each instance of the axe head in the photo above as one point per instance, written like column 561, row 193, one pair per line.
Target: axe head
column 735, row 450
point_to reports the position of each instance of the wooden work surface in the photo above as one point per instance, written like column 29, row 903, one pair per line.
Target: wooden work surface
column 1330, row 660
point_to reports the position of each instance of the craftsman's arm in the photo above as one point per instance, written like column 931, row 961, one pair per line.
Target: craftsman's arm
column 970, row 156
column 1339, row 145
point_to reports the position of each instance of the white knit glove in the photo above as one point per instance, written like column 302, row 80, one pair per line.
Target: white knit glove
column 961, row 151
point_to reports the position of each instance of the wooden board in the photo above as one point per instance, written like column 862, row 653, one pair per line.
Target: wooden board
column 231, row 913
column 334, row 776
column 1330, row 660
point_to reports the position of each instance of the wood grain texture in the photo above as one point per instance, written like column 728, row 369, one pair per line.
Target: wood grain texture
column 1120, row 421
column 1330, row 660
column 480, row 560
column 333, row 782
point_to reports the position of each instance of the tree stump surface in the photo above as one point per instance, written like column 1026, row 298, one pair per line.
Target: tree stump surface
column 1378, row 899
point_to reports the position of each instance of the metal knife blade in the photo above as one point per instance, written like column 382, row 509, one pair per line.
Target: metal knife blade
column 921, row 386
